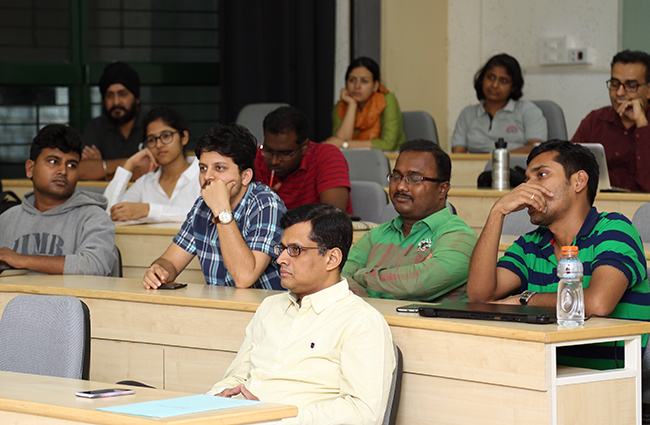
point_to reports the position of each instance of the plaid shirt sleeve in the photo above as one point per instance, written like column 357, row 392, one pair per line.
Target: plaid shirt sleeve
column 261, row 230
column 185, row 237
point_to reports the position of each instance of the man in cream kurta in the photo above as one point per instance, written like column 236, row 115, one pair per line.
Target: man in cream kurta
column 319, row 346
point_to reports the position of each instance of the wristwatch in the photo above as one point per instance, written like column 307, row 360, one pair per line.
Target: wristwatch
column 525, row 296
column 224, row 217
column 345, row 144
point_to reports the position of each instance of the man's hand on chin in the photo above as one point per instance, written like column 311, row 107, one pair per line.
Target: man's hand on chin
column 239, row 389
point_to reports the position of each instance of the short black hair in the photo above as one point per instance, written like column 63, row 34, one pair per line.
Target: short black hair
column 331, row 227
column 169, row 116
column 370, row 64
column 285, row 119
column 233, row 141
column 443, row 162
column 573, row 157
column 56, row 136
column 512, row 68
column 634, row 56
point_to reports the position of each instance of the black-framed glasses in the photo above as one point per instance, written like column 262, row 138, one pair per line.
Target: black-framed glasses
column 165, row 137
column 412, row 178
column 294, row 250
column 282, row 156
column 629, row 86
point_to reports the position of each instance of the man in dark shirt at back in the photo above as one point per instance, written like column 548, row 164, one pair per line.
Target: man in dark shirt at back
column 623, row 127
column 110, row 139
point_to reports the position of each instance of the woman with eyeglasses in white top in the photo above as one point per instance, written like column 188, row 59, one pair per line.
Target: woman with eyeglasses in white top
column 169, row 190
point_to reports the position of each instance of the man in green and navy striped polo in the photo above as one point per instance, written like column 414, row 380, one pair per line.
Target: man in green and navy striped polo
column 423, row 253
column 562, row 181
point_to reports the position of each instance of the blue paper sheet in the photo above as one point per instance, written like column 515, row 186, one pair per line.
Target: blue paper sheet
column 178, row 406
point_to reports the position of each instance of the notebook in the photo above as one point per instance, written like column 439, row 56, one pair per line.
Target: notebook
column 603, row 180
column 480, row 311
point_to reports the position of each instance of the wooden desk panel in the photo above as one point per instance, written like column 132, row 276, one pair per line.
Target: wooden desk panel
column 508, row 369
column 34, row 399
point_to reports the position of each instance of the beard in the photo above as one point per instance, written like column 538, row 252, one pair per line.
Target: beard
column 128, row 115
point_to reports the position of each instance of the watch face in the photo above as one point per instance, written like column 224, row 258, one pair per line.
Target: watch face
column 225, row 217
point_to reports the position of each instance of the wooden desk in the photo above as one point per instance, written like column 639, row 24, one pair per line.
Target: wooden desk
column 141, row 244
column 456, row 371
column 35, row 399
column 473, row 205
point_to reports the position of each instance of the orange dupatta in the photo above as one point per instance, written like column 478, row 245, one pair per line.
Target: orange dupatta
column 367, row 125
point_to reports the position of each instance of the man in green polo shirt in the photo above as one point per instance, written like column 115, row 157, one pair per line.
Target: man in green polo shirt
column 423, row 254
column 562, row 181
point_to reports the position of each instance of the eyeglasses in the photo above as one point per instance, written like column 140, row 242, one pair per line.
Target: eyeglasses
column 282, row 156
column 629, row 86
column 294, row 250
column 165, row 137
column 412, row 178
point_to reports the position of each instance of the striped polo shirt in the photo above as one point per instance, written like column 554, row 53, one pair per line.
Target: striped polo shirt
column 323, row 167
column 605, row 239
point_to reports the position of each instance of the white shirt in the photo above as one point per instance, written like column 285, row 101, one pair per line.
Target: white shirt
column 332, row 357
column 147, row 190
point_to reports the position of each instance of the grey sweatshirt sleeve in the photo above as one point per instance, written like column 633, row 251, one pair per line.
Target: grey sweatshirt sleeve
column 94, row 253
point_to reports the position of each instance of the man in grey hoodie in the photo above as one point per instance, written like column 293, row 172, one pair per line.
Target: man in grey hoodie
column 57, row 229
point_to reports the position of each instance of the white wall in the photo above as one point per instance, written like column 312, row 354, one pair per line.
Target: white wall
column 478, row 29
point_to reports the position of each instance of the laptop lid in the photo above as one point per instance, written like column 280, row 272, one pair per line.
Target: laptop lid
column 604, row 184
column 480, row 311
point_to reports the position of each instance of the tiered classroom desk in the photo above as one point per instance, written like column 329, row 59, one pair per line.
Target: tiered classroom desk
column 44, row 400
column 455, row 371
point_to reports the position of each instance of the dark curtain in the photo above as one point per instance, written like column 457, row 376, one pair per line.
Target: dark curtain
column 278, row 51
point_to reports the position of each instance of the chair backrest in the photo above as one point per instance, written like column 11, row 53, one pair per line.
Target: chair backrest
column 555, row 121
column 368, row 200
column 390, row 416
column 116, row 271
column 517, row 223
column 419, row 125
column 252, row 116
column 390, row 213
column 46, row 335
column 641, row 221
column 369, row 165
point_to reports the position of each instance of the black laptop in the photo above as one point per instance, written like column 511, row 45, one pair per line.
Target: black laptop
column 480, row 311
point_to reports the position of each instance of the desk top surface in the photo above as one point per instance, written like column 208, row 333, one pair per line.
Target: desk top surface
column 228, row 298
column 55, row 397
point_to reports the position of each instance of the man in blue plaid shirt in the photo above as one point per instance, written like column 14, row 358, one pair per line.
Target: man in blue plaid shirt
column 235, row 223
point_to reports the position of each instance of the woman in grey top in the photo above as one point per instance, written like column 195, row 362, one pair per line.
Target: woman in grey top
column 500, row 112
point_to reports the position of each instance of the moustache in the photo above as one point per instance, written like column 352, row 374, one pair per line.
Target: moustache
column 116, row 107
column 206, row 184
column 403, row 195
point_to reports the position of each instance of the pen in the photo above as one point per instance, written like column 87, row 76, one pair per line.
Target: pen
column 272, row 175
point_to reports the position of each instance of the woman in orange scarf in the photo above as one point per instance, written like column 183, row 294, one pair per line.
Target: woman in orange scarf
column 368, row 115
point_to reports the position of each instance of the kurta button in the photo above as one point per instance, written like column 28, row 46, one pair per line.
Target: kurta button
column 625, row 132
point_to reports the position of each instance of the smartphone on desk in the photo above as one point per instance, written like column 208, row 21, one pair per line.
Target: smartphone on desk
column 107, row 392
column 172, row 285
column 410, row 308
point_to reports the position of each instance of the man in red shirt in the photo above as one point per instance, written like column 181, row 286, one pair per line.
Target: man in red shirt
column 623, row 127
column 297, row 169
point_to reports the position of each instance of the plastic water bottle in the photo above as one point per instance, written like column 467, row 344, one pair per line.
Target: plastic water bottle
column 570, row 297
column 500, row 165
